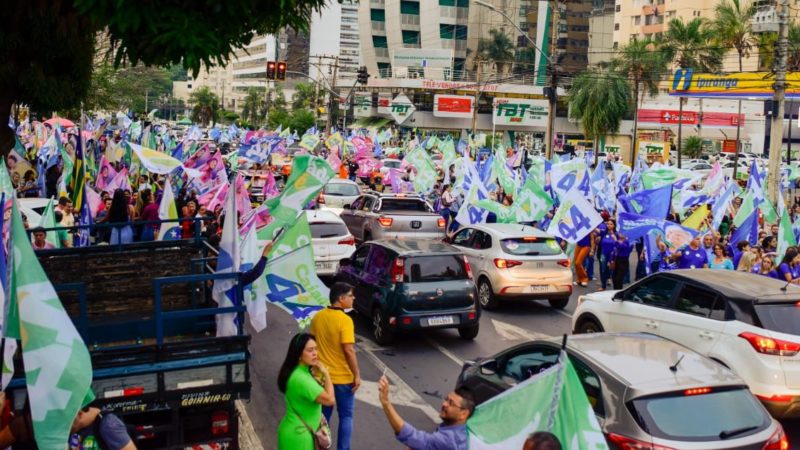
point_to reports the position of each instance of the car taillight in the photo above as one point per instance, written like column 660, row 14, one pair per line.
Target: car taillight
column 697, row 391
column 349, row 240
column 144, row 432
column 626, row 443
column 440, row 222
column 778, row 440
column 775, row 398
column 501, row 263
column 468, row 268
column 563, row 262
column 770, row 346
column 219, row 423
column 385, row 221
column 398, row 270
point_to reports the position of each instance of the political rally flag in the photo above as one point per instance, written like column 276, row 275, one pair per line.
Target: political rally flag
column 49, row 221
column 650, row 202
column 292, row 282
column 697, row 219
column 720, row 208
column 574, row 219
column 168, row 211
column 78, row 180
column 785, row 236
column 58, row 369
column 255, row 293
column 224, row 290
column 552, row 400
column 84, row 220
column 426, row 171
column 531, row 203
column 155, row 161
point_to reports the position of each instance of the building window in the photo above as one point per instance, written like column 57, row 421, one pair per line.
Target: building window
column 615, row 46
column 379, row 42
column 616, row 27
column 637, row 20
column 377, row 15
column 410, row 38
column 384, row 67
column 452, row 31
column 407, row 7
column 618, row 8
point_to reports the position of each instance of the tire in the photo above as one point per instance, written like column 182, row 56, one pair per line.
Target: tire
column 469, row 333
column 558, row 303
column 380, row 331
column 587, row 326
column 486, row 296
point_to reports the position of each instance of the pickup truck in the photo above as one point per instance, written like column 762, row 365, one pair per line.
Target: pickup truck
column 377, row 215
column 146, row 314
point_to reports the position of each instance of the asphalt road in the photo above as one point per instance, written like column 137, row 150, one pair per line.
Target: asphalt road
column 422, row 367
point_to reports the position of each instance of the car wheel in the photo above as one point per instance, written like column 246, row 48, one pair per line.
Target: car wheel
column 380, row 331
column 589, row 326
column 486, row 295
column 469, row 333
column 558, row 303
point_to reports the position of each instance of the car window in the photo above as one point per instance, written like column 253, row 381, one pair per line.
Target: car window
column 404, row 204
column 422, row 269
column 654, row 292
column 591, row 384
column 391, row 164
column 699, row 301
column 703, row 417
column 356, row 205
column 462, row 237
column 360, row 256
column 783, row 317
column 379, row 261
column 322, row 230
column 531, row 246
column 482, row 241
column 340, row 189
column 523, row 365
column 368, row 203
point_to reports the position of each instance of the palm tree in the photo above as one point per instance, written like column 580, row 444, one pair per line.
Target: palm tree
column 688, row 45
column 643, row 66
column 732, row 29
column 254, row 108
column 498, row 48
column 205, row 106
column 693, row 146
column 599, row 98
column 794, row 48
column 304, row 96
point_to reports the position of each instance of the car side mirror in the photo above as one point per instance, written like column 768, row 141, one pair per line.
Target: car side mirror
column 488, row 367
column 619, row 296
column 347, row 206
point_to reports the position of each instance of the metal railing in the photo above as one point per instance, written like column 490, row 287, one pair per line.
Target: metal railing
column 467, row 76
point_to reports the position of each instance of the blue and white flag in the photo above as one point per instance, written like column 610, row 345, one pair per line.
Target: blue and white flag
column 721, row 205
column 224, row 291
column 747, row 231
column 574, row 219
column 649, row 202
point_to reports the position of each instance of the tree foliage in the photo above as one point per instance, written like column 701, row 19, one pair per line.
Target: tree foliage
column 128, row 88
column 692, row 146
column 599, row 99
column 692, row 45
column 497, row 48
column 731, row 26
column 304, row 97
column 205, row 106
column 254, row 107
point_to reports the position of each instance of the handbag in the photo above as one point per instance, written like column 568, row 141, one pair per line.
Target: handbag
column 322, row 437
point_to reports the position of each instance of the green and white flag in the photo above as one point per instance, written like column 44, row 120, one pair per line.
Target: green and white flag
column 58, row 369
column 531, row 203
column 155, row 161
column 49, row 221
column 291, row 277
column 552, row 400
column 786, row 236
column 169, row 231
column 425, row 177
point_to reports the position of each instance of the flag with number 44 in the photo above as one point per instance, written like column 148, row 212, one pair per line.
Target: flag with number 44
column 574, row 219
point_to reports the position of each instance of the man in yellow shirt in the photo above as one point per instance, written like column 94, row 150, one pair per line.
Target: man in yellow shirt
column 336, row 339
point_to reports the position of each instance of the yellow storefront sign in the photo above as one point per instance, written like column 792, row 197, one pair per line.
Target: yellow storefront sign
column 686, row 83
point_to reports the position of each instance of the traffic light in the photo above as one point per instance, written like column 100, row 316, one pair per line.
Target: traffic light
column 281, row 70
column 363, row 75
column 271, row 70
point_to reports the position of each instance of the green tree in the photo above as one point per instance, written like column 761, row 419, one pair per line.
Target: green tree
column 497, row 48
column 48, row 47
column 794, row 48
column 693, row 146
column 599, row 99
column 691, row 45
column 766, row 50
column 139, row 88
column 278, row 117
column 301, row 120
column 304, row 97
column 205, row 106
column 731, row 27
column 643, row 65
column 254, row 108
column 277, row 100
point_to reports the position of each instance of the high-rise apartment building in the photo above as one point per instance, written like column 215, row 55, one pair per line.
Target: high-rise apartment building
column 601, row 32
column 570, row 41
column 325, row 46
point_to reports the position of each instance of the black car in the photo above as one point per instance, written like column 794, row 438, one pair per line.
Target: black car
column 412, row 284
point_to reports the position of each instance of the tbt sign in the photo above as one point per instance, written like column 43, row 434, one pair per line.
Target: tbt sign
column 520, row 112
column 401, row 108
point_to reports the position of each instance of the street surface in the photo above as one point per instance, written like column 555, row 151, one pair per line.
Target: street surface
column 422, row 367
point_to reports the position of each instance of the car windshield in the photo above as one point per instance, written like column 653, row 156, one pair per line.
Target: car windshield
column 783, row 318
column 343, row 189
column 391, row 164
column 321, row 230
column 531, row 246
column 714, row 416
column 403, row 204
column 421, row 269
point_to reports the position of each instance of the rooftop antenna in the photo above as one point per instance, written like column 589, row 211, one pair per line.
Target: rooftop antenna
column 674, row 367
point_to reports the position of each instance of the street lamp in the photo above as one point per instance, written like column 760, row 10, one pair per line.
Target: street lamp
column 551, row 94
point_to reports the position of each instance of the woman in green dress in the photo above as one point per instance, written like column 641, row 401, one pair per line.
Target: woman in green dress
column 301, row 379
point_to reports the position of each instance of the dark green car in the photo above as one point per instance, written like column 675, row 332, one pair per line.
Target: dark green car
column 412, row 284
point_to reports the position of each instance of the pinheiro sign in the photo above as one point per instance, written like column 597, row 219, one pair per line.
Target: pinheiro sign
column 520, row 112
column 687, row 83
column 401, row 108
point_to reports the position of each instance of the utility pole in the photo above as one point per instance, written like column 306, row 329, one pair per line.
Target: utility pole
column 553, row 96
column 316, row 90
column 477, row 94
column 776, row 130
column 332, row 102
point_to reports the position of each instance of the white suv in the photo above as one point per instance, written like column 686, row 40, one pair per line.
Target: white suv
column 747, row 322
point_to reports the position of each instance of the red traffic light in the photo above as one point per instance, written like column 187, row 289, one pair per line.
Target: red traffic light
column 271, row 70
column 281, row 71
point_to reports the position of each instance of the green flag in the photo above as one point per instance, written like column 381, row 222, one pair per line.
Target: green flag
column 553, row 401
column 531, row 203
column 426, row 171
column 58, row 369
column 49, row 221
column 786, row 236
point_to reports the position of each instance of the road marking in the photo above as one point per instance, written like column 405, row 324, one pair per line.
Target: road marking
column 402, row 391
column 445, row 351
column 563, row 313
column 509, row 332
column 248, row 439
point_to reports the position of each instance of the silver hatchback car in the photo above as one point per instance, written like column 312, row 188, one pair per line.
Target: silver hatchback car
column 646, row 391
column 511, row 261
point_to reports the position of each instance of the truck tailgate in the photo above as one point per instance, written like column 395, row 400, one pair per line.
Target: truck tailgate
column 413, row 221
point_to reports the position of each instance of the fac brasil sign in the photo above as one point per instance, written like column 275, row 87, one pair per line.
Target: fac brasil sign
column 520, row 112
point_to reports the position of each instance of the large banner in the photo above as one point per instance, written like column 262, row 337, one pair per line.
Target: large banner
column 686, row 83
column 456, row 106
column 520, row 112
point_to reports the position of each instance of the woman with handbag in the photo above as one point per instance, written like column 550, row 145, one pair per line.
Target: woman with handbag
column 306, row 386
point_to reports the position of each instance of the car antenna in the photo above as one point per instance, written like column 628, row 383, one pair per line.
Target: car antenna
column 564, row 342
column 786, row 285
column 674, row 367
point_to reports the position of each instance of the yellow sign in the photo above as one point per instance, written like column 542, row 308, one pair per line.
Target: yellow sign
column 686, row 83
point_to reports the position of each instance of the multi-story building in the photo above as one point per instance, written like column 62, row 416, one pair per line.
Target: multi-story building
column 601, row 32
column 325, row 47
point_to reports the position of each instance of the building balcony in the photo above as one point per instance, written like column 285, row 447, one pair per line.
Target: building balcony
column 458, row 45
column 652, row 29
column 381, row 52
column 379, row 26
column 453, row 12
column 378, row 3
column 654, row 9
column 409, row 19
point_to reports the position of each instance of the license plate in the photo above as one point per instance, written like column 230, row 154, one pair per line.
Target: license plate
column 416, row 224
column 324, row 266
column 540, row 288
column 441, row 320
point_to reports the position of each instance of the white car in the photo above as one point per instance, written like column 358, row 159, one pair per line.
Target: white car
column 330, row 239
column 33, row 209
column 747, row 322
column 339, row 192
column 389, row 163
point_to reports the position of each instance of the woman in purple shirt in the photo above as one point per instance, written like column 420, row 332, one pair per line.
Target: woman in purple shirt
column 606, row 244
column 621, row 255
column 788, row 267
